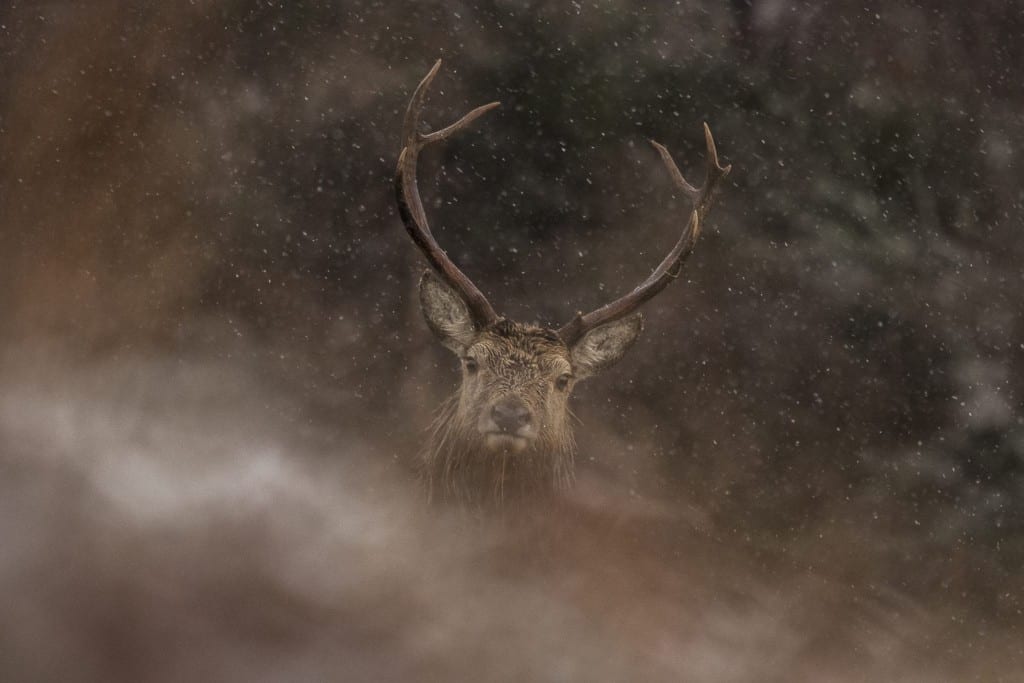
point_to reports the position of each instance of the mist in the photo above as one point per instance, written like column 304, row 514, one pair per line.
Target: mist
column 215, row 379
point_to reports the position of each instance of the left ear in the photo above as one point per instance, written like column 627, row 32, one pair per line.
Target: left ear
column 446, row 313
column 603, row 346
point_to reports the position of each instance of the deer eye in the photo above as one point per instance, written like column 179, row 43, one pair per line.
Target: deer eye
column 562, row 383
column 471, row 365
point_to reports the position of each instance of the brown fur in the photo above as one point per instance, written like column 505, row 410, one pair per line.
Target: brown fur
column 506, row 434
column 514, row 360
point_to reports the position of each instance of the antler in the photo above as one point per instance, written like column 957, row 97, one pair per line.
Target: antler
column 411, row 208
column 670, row 267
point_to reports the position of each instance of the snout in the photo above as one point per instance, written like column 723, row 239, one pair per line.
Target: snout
column 509, row 415
column 508, row 425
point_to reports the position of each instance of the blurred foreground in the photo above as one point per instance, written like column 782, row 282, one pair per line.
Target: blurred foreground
column 214, row 376
column 185, row 519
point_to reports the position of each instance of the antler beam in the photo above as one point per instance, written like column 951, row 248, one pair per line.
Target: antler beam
column 670, row 267
column 411, row 207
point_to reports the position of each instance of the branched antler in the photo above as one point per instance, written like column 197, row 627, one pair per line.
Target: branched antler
column 670, row 267
column 411, row 207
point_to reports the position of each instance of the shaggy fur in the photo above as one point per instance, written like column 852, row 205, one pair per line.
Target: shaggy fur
column 515, row 359
column 469, row 458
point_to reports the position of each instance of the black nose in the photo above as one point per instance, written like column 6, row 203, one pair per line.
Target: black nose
column 509, row 414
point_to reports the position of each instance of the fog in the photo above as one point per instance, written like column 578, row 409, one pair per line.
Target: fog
column 215, row 379
column 170, row 520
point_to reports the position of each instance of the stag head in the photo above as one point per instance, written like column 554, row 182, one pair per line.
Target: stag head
column 507, row 430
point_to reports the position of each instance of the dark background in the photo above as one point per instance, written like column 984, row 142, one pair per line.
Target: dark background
column 198, row 233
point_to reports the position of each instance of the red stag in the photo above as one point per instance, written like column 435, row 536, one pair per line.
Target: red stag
column 506, row 432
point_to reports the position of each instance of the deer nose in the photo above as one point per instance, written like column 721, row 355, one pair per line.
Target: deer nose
column 510, row 414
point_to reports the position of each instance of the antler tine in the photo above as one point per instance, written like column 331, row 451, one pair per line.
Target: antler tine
column 672, row 264
column 410, row 206
column 714, row 173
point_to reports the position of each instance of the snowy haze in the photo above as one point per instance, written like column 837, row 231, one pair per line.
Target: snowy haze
column 214, row 376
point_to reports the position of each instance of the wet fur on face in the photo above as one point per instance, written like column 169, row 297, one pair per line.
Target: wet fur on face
column 506, row 433
column 467, row 459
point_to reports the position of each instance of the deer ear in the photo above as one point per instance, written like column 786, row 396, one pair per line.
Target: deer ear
column 446, row 313
column 603, row 346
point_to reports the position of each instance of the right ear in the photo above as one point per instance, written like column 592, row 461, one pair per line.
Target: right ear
column 446, row 313
column 603, row 346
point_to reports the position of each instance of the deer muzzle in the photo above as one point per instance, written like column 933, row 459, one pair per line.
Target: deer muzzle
column 508, row 425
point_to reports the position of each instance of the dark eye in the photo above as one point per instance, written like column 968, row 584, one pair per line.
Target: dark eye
column 562, row 383
column 471, row 365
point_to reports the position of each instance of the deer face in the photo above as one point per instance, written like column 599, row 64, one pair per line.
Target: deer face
column 516, row 379
column 515, row 382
